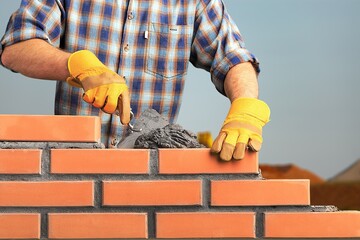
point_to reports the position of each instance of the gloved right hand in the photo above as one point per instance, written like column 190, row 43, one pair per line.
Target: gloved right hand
column 103, row 88
column 242, row 128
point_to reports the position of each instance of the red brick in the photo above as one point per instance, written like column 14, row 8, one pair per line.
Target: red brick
column 260, row 192
column 19, row 226
column 50, row 128
column 312, row 224
column 97, row 225
column 145, row 193
column 201, row 161
column 205, row 225
column 98, row 161
column 36, row 194
column 20, row 161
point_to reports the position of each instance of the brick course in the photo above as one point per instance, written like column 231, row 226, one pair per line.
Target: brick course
column 46, row 193
column 99, row 161
column 97, row 225
column 19, row 225
column 63, row 186
column 263, row 193
column 312, row 224
column 20, row 161
column 152, row 193
column 200, row 161
column 205, row 225
column 49, row 128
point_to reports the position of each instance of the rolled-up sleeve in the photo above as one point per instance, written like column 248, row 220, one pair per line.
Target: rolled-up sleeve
column 35, row 19
column 217, row 43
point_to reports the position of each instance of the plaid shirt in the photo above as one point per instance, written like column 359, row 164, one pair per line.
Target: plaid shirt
column 150, row 43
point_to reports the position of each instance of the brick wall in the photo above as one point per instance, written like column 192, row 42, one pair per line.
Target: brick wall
column 57, row 182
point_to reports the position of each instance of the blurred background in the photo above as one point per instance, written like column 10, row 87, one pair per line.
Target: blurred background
column 309, row 57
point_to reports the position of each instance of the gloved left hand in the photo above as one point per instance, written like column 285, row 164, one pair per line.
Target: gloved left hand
column 242, row 128
column 103, row 87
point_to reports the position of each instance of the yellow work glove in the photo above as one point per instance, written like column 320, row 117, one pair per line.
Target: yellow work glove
column 242, row 128
column 103, row 88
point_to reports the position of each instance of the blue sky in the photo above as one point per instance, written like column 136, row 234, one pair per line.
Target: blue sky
column 309, row 56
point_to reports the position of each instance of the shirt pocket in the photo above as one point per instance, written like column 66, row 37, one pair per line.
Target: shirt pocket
column 168, row 49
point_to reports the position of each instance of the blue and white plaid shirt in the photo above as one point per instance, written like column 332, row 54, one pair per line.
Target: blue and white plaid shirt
column 148, row 42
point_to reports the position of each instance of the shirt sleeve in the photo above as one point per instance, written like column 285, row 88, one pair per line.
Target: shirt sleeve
column 35, row 19
column 217, row 43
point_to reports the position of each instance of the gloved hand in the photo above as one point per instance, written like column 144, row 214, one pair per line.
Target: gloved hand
column 103, row 87
column 242, row 128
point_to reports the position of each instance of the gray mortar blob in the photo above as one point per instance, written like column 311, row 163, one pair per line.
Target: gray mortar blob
column 155, row 126
column 170, row 136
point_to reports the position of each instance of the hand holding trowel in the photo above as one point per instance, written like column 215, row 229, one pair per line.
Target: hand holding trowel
column 103, row 88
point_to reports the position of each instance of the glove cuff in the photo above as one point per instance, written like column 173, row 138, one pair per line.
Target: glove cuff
column 251, row 107
column 81, row 62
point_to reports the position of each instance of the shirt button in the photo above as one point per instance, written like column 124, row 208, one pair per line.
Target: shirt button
column 130, row 16
column 126, row 48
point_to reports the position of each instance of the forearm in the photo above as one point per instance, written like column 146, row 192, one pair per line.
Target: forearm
column 37, row 59
column 241, row 81
column 247, row 115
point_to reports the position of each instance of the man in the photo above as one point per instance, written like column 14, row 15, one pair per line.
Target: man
column 112, row 55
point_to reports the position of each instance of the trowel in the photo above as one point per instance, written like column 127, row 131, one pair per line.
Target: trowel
column 149, row 120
